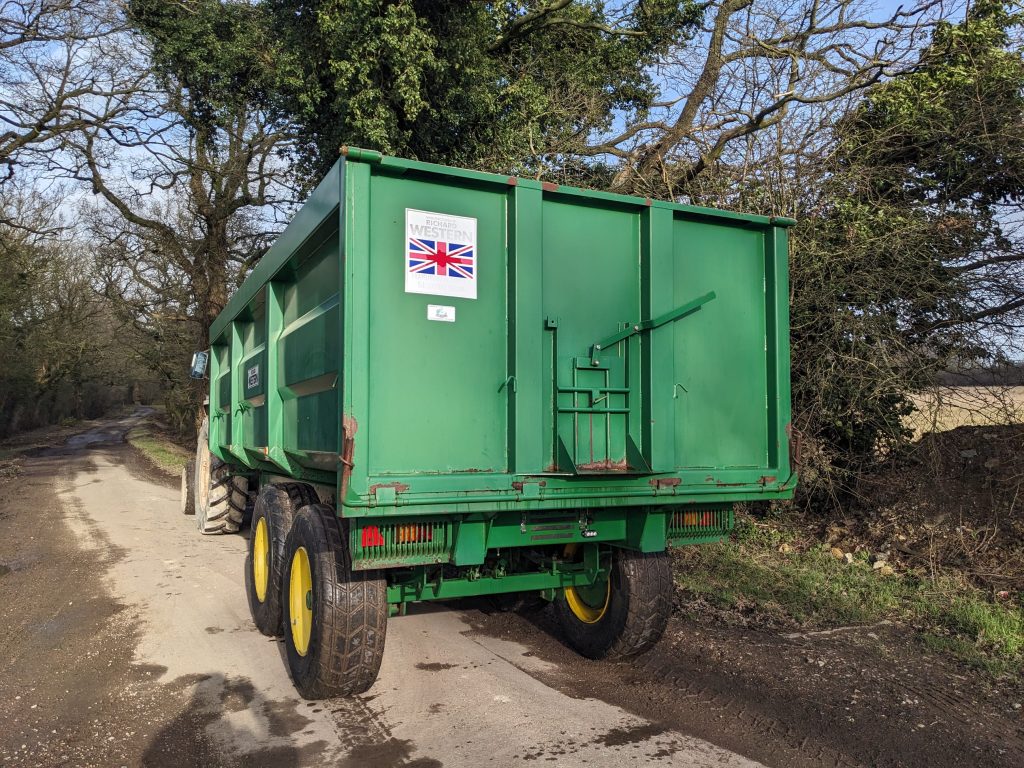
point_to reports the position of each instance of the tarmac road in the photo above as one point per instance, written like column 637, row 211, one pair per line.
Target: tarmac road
column 127, row 641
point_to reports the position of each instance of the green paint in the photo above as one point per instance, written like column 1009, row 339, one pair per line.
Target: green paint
column 558, row 575
column 623, row 363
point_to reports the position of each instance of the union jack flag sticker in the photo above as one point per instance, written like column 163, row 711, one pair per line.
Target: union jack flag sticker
column 436, row 257
column 440, row 254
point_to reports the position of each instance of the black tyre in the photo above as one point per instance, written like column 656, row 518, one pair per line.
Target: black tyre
column 220, row 496
column 272, row 517
column 335, row 618
column 188, row 498
column 623, row 616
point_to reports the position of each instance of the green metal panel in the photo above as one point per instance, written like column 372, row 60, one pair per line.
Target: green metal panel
column 220, row 398
column 621, row 359
column 436, row 405
column 591, row 289
column 658, row 370
column 309, row 354
column 253, row 370
column 777, row 349
column 528, row 390
column 238, row 405
column 720, row 388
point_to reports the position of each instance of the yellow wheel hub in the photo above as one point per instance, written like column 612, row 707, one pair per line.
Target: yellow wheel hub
column 589, row 604
column 261, row 559
column 300, row 601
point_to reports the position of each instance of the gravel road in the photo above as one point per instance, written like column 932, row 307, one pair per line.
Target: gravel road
column 127, row 641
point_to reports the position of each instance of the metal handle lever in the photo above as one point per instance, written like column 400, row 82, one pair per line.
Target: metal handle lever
column 648, row 325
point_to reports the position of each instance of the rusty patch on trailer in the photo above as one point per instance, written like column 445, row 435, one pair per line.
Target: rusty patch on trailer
column 607, row 466
column 551, row 468
column 549, row 186
column 399, row 487
column 665, row 482
column 765, row 479
column 517, row 485
column 513, row 181
column 472, row 469
column 647, row 202
column 349, row 427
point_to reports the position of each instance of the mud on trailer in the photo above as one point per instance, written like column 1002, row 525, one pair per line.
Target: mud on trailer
column 441, row 383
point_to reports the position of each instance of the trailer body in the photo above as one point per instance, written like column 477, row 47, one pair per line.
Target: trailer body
column 472, row 366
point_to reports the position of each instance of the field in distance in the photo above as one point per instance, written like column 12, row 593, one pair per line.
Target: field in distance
column 945, row 408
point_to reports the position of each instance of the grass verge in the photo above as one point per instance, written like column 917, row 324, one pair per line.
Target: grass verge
column 766, row 575
column 165, row 454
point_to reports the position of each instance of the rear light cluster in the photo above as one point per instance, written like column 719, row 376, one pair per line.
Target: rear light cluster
column 700, row 524
column 403, row 534
column 701, row 519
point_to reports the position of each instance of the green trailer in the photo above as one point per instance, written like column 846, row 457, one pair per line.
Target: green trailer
column 441, row 383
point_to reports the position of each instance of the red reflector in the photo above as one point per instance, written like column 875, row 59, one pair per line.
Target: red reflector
column 372, row 537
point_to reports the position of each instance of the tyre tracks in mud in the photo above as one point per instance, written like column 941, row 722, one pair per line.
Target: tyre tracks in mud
column 866, row 697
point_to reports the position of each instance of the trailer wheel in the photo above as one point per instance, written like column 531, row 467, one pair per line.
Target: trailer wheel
column 624, row 615
column 336, row 618
column 272, row 517
column 188, row 499
column 220, row 496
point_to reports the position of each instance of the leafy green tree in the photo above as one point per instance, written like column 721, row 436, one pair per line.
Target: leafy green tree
column 907, row 257
column 946, row 142
column 514, row 86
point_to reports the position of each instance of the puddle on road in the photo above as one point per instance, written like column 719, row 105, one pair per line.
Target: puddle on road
column 108, row 434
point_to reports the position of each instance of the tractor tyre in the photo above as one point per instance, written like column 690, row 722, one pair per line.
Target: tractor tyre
column 335, row 617
column 275, row 508
column 220, row 496
column 623, row 616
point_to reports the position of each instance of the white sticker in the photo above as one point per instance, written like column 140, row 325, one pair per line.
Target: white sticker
column 253, row 376
column 440, row 254
column 438, row 312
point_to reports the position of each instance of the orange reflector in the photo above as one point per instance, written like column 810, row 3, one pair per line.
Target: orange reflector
column 409, row 534
column 704, row 520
